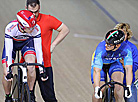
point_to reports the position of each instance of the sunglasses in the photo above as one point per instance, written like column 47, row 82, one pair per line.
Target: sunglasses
column 28, row 28
column 34, row 11
column 109, row 45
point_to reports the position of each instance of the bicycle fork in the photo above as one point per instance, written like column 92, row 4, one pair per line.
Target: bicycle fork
column 112, row 98
column 24, row 72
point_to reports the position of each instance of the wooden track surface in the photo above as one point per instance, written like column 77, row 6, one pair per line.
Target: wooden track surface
column 72, row 58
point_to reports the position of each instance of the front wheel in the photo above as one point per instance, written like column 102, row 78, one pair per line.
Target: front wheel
column 15, row 88
column 25, row 96
column 106, row 95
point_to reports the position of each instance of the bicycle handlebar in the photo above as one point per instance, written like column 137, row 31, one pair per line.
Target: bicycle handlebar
column 113, row 83
column 25, row 65
column 43, row 75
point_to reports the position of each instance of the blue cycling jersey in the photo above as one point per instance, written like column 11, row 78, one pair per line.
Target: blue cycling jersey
column 101, row 56
column 134, row 55
column 135, row 58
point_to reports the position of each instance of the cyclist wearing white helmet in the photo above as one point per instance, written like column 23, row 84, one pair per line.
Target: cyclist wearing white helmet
column 106, row 56
column 21, row 34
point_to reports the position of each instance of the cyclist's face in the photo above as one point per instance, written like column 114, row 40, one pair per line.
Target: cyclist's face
column 34, row 10
column 28, row 30
column 109, row 47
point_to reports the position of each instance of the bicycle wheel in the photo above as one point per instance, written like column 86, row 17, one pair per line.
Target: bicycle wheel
column 106, row 95
column 111, row 97
column 25, row 96
column 15, row 88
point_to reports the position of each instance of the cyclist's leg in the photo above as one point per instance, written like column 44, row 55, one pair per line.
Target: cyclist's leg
column 28, row 52
column 32, row 92
column 31, row 70
column 102, row 81
column 47, row 87
column 6, row 84
column 116, row 72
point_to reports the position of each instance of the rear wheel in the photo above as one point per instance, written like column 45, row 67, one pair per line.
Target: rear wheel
column 25, row 97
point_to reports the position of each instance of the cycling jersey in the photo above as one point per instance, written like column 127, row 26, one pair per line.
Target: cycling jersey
column 134, row 55
column 101, row 56
column 135, row 59
column 47, row 23
column 28, row 43
column 110, row 59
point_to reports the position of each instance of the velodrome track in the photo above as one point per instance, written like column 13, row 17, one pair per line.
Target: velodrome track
column 88, row 21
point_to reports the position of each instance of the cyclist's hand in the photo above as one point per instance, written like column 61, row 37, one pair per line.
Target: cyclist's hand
column 128, row 92
column 122, row 62
column 9, row 76
column 43, row 75
column 96, row 93
column 52, row 48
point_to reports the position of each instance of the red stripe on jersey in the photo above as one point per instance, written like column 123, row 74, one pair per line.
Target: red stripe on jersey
column 3, row 61
column 19, row 39
column 29, row 52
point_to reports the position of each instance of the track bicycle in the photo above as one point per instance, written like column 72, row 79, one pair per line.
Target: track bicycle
column 108, row 95
column 20, row 89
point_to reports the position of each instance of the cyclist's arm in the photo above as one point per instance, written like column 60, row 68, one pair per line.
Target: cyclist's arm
column 38, row 49
column 128, row 62
column 97, row 64
column 135, row 57
column 38, row 45
column 63, row 32
column 8, row 51
column 129, row 74
column 96, row 76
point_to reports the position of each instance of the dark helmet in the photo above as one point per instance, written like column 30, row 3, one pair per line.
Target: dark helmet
column 114, row 37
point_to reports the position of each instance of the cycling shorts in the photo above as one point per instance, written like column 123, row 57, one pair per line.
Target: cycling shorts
column 26, row 47
column 113, row 67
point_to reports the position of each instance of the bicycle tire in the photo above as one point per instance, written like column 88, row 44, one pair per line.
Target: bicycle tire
column 15, row 88
column 106, row 94
column 109, row 97
column 112, row 99
column 25, row 96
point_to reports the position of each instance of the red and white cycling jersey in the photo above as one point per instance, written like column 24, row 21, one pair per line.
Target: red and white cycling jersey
column 26, row 42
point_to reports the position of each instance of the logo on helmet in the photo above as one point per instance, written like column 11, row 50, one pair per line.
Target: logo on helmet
column 112, row 33
column 33, row 22
column 119, row 40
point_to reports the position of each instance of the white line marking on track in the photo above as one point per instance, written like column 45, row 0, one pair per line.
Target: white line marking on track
column 88, row 36
column 95, row 37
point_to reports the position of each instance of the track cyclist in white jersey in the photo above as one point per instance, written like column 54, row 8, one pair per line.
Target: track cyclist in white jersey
column 22, row 34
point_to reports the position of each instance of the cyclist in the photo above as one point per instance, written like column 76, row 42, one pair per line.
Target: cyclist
column 125, row 27
column 21, row 34
column 107, row 55
column 47, row 24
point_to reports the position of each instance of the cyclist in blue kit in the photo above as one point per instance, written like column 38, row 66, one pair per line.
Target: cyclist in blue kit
column 125, row 27
column 107, row 55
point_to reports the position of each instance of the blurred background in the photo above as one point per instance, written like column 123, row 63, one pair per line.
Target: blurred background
column 88, row 21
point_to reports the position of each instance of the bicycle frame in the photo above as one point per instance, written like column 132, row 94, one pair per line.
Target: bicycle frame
column 22, row 78
column 22, row 67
